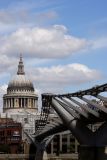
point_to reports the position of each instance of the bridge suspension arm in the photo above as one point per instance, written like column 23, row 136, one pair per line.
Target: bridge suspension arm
column 98, row 106
column 67, row 108
column 102, row 98
column 85, row 107
column 51, row 131
column 84, row 114
column 78, row 129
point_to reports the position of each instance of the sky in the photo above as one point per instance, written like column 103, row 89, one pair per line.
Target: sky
column 63, row 43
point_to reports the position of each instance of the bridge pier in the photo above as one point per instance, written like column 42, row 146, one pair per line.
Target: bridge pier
column 41, row 148
column 102, row 153
column 39, row 154
column 86, row 153
column 92, row 153
column 32, row 151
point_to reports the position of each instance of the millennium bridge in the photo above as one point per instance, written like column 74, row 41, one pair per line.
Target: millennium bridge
column 75, row 116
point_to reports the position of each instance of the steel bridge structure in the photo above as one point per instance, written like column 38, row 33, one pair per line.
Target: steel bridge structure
column 76, row 112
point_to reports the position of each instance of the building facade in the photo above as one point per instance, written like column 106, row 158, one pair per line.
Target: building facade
column 63, row 143
column 10, row 136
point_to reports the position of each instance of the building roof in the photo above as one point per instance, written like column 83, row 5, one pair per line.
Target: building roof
column 20, row 80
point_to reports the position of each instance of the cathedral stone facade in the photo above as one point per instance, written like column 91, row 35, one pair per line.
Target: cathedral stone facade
column 20, row 93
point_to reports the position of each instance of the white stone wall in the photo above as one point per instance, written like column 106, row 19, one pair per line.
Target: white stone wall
column 27, row 120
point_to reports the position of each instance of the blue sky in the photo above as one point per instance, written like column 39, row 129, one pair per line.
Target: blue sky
column 63, row 42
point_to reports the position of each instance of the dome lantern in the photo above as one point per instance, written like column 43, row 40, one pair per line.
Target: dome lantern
column 20, row 67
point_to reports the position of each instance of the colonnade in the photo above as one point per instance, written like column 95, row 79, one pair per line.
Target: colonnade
column 14, row 102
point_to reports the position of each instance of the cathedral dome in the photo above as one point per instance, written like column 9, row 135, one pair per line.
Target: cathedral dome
column 20, row 81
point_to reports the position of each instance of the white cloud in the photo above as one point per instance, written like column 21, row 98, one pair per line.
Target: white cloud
column 3, row 89
column 58, row 77
column 99, row 43
column 7, row 63
column 24, row 16
column 53, row 42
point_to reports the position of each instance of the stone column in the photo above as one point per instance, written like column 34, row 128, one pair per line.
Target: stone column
column 68, row 143
column 31, row 102
column 16, row 103
column 11, row 103
column 6, row 103
column 21, row 102
column 60, row 141
column 27, row 102
column 76, row 146
column 52, row 147
column 24, row 103
column 34, row 103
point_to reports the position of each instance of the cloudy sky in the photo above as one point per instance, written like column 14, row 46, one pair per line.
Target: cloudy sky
column 63, row 43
